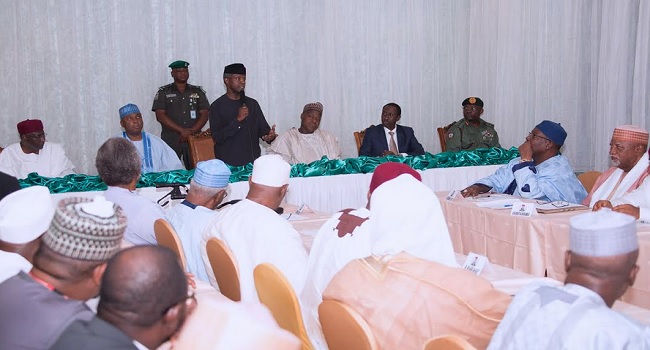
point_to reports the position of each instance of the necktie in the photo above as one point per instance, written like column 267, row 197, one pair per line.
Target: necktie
column 392, row 146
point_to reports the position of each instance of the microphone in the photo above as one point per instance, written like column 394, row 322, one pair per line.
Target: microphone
column 242, row 97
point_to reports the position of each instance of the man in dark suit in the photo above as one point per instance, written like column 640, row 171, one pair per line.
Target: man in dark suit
column 390, row 138
column 143, row 302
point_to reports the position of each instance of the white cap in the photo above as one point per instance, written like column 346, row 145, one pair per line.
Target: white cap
column 271, row 170
column 25, row 214
column 603, row 233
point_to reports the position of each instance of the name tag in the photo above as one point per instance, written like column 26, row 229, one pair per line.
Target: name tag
column 192, row 114
column 170, row 95
column 475, row 263
column 452, row 195
column 523, row 209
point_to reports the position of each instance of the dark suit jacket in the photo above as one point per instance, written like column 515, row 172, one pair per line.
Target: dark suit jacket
column 374, row 141
column 95, row 334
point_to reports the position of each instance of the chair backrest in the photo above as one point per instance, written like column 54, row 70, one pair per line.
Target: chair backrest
column 201, row 147
column 588, row 178
column 166, row 236
column 358, row 138
column 224, row 267
column 344, row 328
column 442, row 135
column 275, row 292
column 448, row 342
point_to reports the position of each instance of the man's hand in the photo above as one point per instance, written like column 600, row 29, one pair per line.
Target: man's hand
column 389, row 153
column 243, row 113
column 628, row 209
column 602, row 204
column 474, row 190
column 185, row 133
column 271, row 135
column 190, row 280
column 526, row 151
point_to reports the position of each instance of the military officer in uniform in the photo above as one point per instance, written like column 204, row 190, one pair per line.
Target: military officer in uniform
column 471, row 132
column 181, row 109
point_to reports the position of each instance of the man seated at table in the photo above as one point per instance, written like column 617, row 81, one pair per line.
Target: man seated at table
column 388, row 138
column 600, row 265
column 118, row 165
column 143, row 302
column 630, row 166
column 155, row 154
column 540, row 172
column 635, row 203
column 24, row 216
column 343, row 238
column 411, row 289
column 33, row 154
column 254, row 231
column 307, row 143
column 36, row 308
column 191, row 217
column 471, row 132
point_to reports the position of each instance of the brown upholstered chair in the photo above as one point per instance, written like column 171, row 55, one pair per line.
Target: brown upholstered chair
column 224, row 267
column 442, row 134
column 201, row 147
column 358, row 138
column 166, row 236
column 448, row 342
column 588, row 179
column 344, row 328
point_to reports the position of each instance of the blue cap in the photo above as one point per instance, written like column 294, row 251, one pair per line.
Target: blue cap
column 212, row 173
column 128, row 109
column 554, row 131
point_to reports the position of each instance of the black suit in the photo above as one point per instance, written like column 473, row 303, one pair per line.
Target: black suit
column 95, row 334
column 374, row 141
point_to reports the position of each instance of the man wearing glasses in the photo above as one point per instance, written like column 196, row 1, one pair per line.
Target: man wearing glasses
column 471, row 132
column 540, row 172
column 34, row 154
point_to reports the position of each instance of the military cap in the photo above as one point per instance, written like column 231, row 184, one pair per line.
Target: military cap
column 474, row 101
column 179, row 64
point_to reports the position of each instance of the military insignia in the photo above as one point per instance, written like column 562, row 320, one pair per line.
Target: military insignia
column 472, row 100
column 156, row 98
column 450, row 135
column 194, row 95
column 170, row 95
column 487, row 135
column 203, row 91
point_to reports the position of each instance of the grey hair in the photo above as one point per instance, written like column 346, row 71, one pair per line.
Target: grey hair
column 118, row 162
column 204, row 191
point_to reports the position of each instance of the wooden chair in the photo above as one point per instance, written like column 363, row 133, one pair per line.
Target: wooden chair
column 448, row 342
column 588, row 179
column 344, row 328
column 201, row 147
column 275, row 292
column 224, row 267
column 442, row 134
column 358, row 138
column 167, row 237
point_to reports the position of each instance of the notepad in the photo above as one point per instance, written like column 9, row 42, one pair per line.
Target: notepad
column 558, row 207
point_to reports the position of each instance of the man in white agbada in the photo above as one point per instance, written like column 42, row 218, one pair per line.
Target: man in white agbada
column 34, row 154
column 626, row 150
column 600, row 264
column 155, row 154
column 343, row 238
column 255, row 233
column 307, row 143
column 24, row 216
column 118, row 165
column 191, row 217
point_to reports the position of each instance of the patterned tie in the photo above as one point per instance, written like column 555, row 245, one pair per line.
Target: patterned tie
column 392, row 146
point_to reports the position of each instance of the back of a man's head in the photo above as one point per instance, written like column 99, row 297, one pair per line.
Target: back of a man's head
column 141, row 286
column 269, row 180
column 117, row 162
column 603, row 252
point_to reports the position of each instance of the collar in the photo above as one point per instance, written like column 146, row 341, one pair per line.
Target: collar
column 189, row 204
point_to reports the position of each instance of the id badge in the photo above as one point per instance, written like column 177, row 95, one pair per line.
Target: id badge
column 193, row 114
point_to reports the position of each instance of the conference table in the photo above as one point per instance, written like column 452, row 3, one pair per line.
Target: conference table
column 534, row 245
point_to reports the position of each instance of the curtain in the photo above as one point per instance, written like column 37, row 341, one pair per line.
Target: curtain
column 583, row 63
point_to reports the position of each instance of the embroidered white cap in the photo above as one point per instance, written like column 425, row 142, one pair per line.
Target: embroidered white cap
column 271, row 170
column 25, row 214
column 603, row 233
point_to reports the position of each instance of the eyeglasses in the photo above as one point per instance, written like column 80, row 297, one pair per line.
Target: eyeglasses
column 557, row 204
column 531, row 135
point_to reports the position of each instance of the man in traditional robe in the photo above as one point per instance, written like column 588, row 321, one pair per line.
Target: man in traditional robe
column 600, row 265
column 307, row 143
column 33, row 154
column 411, row 289
column 630, row 166
column 36, row 308
column 254, row 231
column 24, row 216
column 191, row 217
column 118, row 165
column 540, row 172
column 155, row 154
column 343, row 238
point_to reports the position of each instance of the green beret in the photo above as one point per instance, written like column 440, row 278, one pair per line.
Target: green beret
column 178, row 64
